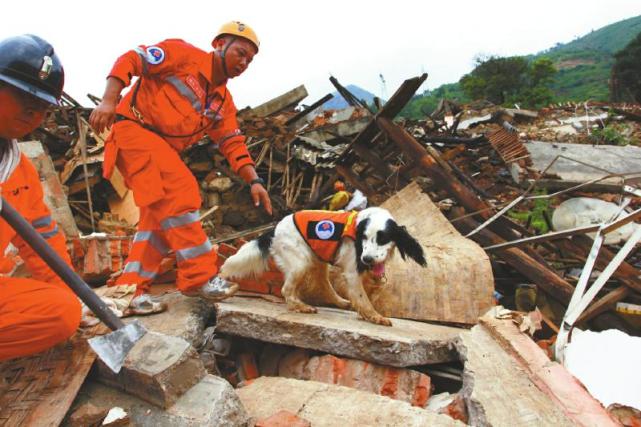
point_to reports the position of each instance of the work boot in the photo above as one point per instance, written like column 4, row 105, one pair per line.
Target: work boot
column 216, row 289
column 144, row 304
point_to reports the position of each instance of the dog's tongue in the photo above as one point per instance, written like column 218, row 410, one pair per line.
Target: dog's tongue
column 379, row 269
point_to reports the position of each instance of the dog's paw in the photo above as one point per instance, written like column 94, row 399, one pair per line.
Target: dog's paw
column 380, row 320
column 302, row 308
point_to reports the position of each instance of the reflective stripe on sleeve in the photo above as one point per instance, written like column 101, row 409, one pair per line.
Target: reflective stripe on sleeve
column 143, row 57
column 42, row 222
column 49, row 234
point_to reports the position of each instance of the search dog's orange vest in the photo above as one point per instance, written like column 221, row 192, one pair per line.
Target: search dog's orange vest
column 324, row 231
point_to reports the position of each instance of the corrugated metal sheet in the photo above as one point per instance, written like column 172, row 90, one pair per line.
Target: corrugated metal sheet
column 509, row 147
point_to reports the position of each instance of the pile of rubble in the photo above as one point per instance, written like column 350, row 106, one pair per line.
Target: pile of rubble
column 507, row 203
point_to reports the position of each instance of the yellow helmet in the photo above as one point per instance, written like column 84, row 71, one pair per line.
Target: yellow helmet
column 239, row 29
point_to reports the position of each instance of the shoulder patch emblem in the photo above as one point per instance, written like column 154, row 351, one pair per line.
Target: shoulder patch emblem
column 325, row 229
column 155, row 55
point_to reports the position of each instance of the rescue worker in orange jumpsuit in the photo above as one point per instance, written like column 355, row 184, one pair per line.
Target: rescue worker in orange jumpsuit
column 180, row 96
column 36, row 313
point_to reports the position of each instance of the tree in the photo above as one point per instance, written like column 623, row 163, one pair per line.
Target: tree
column 625, row 81
column 509, row 80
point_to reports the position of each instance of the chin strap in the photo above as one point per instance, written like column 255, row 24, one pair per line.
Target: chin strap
column 223, row 54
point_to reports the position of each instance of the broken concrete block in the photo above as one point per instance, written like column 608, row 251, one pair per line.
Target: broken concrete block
column 159, row 369
column 88, row 415
column 409, row 386
column 611, row 158
column 185, row 317
column 331, row 405
column 283, row 419
column 407, row 343
column 212, row 403
column 487, row 365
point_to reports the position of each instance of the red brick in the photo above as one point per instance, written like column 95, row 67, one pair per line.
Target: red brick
column 247, row 367
column 400, row 384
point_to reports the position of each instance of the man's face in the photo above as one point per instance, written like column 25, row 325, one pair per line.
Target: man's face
column 20, row 112
column 238, row 57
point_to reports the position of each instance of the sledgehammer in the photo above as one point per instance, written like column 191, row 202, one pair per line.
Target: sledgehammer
column 111, row 348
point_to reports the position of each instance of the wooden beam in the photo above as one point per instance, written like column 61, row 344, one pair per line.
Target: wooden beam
column 394, row 106
column 277, row 104
column 546, row 279
column 309, row 109
column 429, row 165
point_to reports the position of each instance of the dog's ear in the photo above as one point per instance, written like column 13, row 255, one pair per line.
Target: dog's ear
column 406, row 244
column 358, row 243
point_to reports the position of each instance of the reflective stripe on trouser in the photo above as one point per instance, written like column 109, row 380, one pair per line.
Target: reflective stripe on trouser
column 169, row 199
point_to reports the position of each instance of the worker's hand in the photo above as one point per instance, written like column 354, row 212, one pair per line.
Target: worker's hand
column 103, row 116
column 260, row 196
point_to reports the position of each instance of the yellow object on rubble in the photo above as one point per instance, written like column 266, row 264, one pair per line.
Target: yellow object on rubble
column 339, row 200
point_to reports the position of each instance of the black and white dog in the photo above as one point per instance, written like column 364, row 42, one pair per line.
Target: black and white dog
column 358, row 253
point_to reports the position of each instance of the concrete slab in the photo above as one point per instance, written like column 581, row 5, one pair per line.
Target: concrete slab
column 159, row 369
column 605, row 159
column 340, row 332
column 212, row 402
column 569, row 393
column 498, row 390
column 331, row 405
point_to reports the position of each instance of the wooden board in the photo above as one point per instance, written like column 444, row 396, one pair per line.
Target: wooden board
column 457, row 284
column 38, row 390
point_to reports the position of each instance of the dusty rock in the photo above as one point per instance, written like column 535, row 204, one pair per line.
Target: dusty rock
column 331, row 405
column 87, row 415
column 159, row 369
column 220, row 184
column 212, row 403
column 407, row 343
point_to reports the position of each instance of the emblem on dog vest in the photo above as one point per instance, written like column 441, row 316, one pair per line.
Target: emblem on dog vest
column 323, row 231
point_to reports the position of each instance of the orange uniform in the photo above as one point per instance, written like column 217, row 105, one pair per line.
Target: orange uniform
column 37, row 313
column 172, row 106
column 324, row 231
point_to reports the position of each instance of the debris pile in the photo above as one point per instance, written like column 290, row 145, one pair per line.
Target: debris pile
column 530, row 192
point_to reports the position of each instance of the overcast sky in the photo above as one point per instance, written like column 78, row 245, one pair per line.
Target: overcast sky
column 303, row 42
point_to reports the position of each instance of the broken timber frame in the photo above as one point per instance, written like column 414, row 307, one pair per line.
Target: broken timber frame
column 528, row 265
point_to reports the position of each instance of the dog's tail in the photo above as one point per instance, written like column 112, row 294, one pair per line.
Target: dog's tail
column 250, row 260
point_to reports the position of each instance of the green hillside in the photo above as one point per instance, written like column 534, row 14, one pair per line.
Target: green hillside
column 583, row 68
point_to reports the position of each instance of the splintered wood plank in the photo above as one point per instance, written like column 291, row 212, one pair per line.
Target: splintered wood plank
column 457, row 284
column 38, row 390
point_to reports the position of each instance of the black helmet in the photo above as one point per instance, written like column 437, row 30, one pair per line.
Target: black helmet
column 30, row 64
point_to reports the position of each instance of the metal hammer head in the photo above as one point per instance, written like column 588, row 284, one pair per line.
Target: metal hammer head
column 114, row 347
